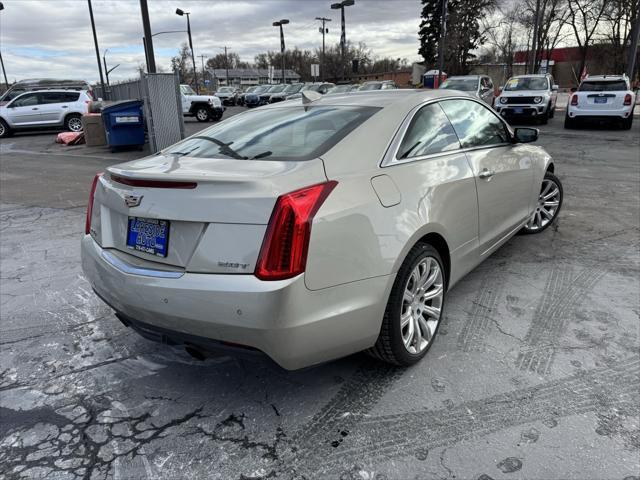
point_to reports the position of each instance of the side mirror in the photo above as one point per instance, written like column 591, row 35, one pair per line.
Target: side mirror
column 525, row 134
column 555, row 88
column 574, row 89
column 500, row 89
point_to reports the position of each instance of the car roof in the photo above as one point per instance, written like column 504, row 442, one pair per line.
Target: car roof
column 537, row 75
column 605, row 77
column 378, row 98
column 475, row 77
column 54, row 90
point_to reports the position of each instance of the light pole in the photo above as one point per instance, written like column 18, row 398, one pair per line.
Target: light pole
column 193, row 57
column 282, row 22
column 323, row 30
column 95, row 42
column 148, row 38
column 443, row 36
column 343, row 34
column 106, row 70
column 4, row 72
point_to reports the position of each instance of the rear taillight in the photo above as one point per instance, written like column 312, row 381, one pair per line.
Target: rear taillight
column 627, row 99
column 574, row 99
column 286, row 242
column 87, row 223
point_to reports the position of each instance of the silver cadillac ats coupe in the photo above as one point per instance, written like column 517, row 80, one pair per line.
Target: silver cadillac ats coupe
column 312, row 229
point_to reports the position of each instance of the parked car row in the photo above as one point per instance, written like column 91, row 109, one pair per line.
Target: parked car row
column 534, row 97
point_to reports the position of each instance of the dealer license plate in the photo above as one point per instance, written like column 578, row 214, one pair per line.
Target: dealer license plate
column 148, row 235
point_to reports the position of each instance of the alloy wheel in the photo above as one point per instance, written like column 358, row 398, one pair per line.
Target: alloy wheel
column 202, row 115
column 421, row 305
column 75, row 124
column 547, row 208
column 2, row 130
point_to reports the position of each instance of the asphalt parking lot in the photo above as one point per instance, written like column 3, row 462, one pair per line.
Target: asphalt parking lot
column 535, row 373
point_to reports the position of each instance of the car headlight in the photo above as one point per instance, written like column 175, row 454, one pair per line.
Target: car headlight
column 503, row 99
column 537, row 99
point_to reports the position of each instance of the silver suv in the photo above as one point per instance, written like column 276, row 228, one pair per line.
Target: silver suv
column 46, row 108
column 528, row 96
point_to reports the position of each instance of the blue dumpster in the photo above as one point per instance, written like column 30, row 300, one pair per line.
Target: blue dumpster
column 124, row 124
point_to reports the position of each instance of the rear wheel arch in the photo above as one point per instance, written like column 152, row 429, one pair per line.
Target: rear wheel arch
column 438, row 242
column 551, row 168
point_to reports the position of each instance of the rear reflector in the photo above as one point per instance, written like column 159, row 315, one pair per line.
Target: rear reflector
column 153, row 183
column 627, row 99
column 574, row 99
column 286, row 242
column 87, row 223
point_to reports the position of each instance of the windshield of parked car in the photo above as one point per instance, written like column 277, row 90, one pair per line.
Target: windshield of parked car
column 526, row 83
column 226, row 90
column 276, row 89
column 340, row 89
column 293, row 88
column 293, row 133
column 371, row 86
column 187, row 90
column 603, row 86
column 463, row 84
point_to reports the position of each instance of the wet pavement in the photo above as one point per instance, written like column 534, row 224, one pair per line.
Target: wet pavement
column 535, row 372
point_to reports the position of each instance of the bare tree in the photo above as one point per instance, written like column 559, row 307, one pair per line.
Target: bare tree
column 618, row 19
column 584, row 18
column 504, row 37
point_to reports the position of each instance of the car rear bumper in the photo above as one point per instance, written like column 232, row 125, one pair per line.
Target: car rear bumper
column 599, row 113
column 293, row 325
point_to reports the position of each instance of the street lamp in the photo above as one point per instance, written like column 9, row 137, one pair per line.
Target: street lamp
column 193, row 57
column 343, row 35
column 282, row 22
column 106, row 70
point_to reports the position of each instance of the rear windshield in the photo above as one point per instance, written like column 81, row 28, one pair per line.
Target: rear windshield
column 465, row 85
column 603, row 86
column 526, row 83
column 371, row 86
column 289, row 134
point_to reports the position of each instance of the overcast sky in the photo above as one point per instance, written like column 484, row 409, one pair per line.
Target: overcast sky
column 52, row 38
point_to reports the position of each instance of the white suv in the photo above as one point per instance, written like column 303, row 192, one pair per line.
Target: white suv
column 43, row 109
column 528, row 96
column 602, row 96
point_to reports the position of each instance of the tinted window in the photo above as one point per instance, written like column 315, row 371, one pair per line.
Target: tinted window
column 429, row 132
column 294, row 133
column 26, row 100
column 474, row 124
column 526, row 83
column 462, row 84
column 59, row 97
column 603, row 86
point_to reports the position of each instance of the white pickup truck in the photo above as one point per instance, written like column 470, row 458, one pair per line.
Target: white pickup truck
column 203, row 107
column 606, row 97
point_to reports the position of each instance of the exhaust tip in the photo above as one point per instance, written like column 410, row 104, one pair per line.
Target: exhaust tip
column 195, row 353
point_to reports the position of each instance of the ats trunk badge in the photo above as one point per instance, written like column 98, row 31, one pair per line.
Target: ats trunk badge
column 132, row 200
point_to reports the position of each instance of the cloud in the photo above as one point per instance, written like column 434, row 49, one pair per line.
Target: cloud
column 52, row 38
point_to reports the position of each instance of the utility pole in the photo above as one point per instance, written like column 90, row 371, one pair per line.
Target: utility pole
column 202, row 57
column 226, row 64
column 443, row 35
column 148, row 40
column 323, row 30
column 95, row 42
column 4, row 72
column 534, row 40
column 280, row 23
column 633, row 48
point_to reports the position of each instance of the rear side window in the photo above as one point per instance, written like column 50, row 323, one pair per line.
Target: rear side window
column 603, row 86
column 429, row 132
column 474, row 124
column 293, row 133
column 59, row 97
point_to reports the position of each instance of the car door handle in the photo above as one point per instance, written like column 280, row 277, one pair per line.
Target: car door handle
column 486, row 173
column 65, row 106
column 34, row 108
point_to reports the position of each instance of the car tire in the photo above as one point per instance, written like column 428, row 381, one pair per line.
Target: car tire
column 202, row 113
column 423, row 274
column 5, row 131
column 73, row 122
column 544, row 118
column 627, row 122
column 552, row 111
column 548, row 195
